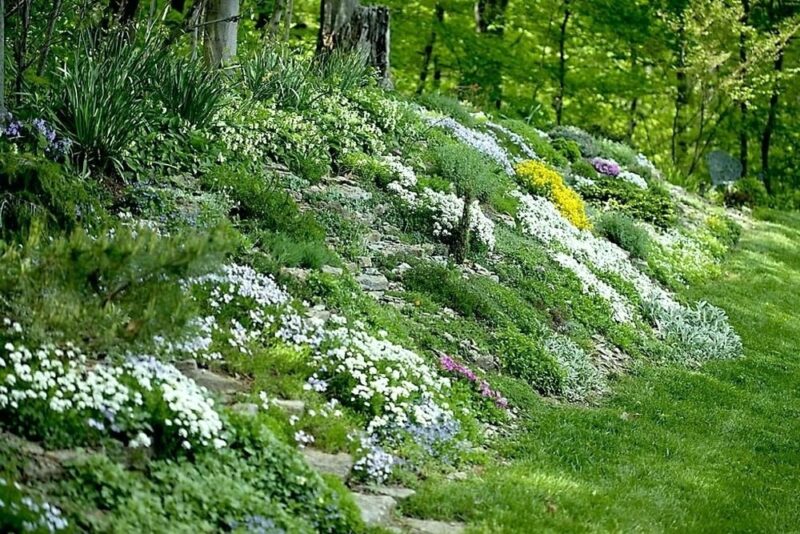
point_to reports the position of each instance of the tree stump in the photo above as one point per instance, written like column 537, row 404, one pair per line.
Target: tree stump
column 347, row 25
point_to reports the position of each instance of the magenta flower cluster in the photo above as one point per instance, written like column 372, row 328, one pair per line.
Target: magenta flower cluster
column 606, row 166
column 452, row 366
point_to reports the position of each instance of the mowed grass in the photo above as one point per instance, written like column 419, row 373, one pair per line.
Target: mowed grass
column 673, row 450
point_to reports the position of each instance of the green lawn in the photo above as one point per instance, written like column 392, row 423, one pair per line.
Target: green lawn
column 714, row 450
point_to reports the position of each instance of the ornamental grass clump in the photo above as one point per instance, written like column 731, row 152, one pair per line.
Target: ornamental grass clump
column 542, row 180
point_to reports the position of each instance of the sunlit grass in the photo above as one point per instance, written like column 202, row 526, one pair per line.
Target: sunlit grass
column 673, row 450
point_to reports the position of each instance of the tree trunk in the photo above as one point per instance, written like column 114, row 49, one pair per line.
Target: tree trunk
column 427, row 53
column 743, row 149
column 490, row 21
column 772, row 117
column 490, row 16
column 459, row 247
column 221, row 27
column 562, row 64
column 2, row 58
column 21, row 48
column 634, row 102
column 679, row 143
column 51, row 25
column 349, row 26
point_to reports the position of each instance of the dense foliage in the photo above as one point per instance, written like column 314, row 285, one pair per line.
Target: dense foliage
column 192, row 247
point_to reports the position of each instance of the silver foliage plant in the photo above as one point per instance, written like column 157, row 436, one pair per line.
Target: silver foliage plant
column 697, row 334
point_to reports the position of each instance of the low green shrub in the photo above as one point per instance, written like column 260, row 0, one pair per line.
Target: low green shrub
column 34, row 188
column 568, row 148
column 619, row 152
column 748, row 191
column 623, row 231
column 653, row 205
column 257, row 484
column 367, row 167
column 447, row 105
column 581, row 167
column 695, row 335
column 527, row 360
column 589, row 146
column 465, row 167
column 259, row 198
column 120, row 287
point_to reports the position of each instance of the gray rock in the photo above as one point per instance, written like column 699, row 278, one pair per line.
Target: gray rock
column 246, row 408
column 350, row 192
column 373, row 282
column 296, row 272
column 291, row 407
column 365, row 261
column 212, row 381
column 401, row 269
column 338, row 465
column 329, row 269
column 375, row 509
column 395, row 492
column 423, row 526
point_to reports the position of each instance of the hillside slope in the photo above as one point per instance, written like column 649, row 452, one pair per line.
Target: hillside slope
column 390, row 287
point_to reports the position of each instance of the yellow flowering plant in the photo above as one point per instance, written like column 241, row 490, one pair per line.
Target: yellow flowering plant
column 545, row 181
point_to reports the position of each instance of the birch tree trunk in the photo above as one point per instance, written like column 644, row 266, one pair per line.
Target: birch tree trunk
column 220, row 29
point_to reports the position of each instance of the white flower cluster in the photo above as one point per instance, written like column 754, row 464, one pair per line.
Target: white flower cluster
column 480, row 141
column 192, row 412
column 447, row 208
column 593, row 285
column 376, row 464
column 48, row 518
column 65, row 381
column 516, row 139
column 398, row 379
column 632, row 178
column 542, row 220
column 237, row 288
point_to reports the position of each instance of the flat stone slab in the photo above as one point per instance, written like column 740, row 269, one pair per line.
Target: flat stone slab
column 394, row 492
column 212, row 381
column 338, row 465
column 291, row 407
column 373, row 282
column 375, row 509
column 424, row 526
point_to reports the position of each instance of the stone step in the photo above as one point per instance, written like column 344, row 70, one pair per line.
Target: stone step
column 424, row 526
column 395, row 492
column 338, row 465
column 291, row 407
column 376, row 510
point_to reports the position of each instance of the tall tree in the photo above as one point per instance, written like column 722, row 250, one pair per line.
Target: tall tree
column 743, row 127
column 558, row 102
column 490, row 24
column 427, row 53
column 221, row 28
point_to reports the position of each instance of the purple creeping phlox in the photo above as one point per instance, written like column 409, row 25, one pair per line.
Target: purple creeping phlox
column 450, row 365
